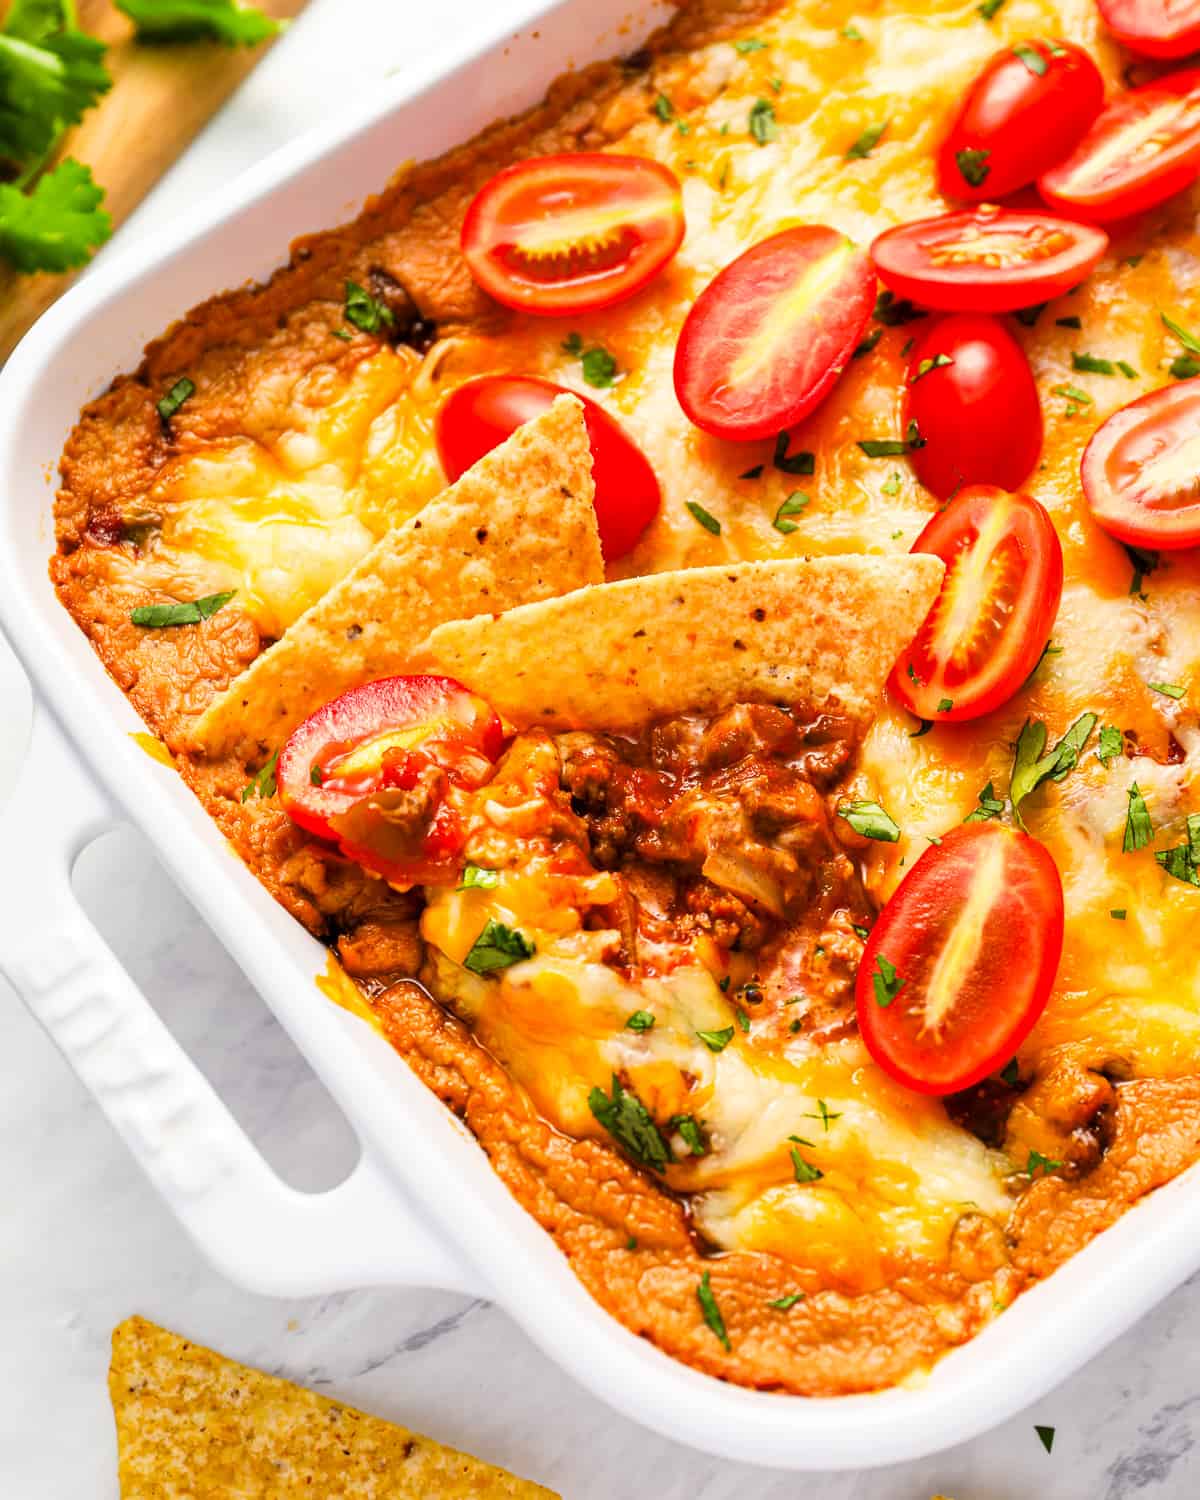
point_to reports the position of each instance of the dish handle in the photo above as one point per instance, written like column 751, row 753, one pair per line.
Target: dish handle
column 256, row 1229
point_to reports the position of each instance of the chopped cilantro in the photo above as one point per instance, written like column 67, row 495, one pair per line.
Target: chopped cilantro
column 763, row 126
column 742, row 1018
column 56, row 225
column 166, row 406
column 870, row 820
column 599, row 368
column 784, row 1304
column 937, row 362
column 1038, row 1163
column 1032, row 764
column 1032, row 59
column 1189, row 340
column 716, row 1041
column 891, row 485
column 804, row 1171
column 1010, row 1073
column 478, row 877
column 640, row 1020
column 972, row 163
column 1092, row 364
column 990, row 806
column 199, row 20
column 883, row 447
column 1126, row 369
column 663, row 108
column 922, row 729
column 712, row 1313
column 825, row 1114
column 886, row 983
column 629, row 1123
column 1144, row 561
column 1072, row 394
column 497, row 947
column 802, row 462
column 1119, row 913
column 792, row 506
column 989, row 8
column 912, row 435
column 749, row 44
column 868, row 343
column 867, row 142
column 755, row 472
column 316, row 776
column 945, row 705
column 690, row 1134
column 1183, row 861
column 364, row 311
column 573, row 344
column 1184, row 366
column 1112, row 743
column 160, row 616
column 262, row 783
column 1045, row 1436
column 851, row 32
column 863, row 932
column 1168, row 689
column 893, row 313
column 1028, row 316
column 704, row 517
column 1139, row 830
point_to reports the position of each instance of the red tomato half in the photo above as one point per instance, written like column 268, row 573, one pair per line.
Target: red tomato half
column 377, row 769
column 997, row 605
column 961, row 962
column 972, row 395
column 1027, row 110
column 566, row 234
column 769, row 336
column 1141, row 470
column 1142, row 149
column 986, row 259
column 1156, row 28
column 480, row 414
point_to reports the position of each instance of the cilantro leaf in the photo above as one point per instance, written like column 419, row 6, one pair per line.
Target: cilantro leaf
column 478, row 877
column 870, row 820
column 1183, row 861
column 199, row 20
column 690, row 1133
column 364, row 311
column 712, row 1313
column 867, row 142
column 1031, row 767
column 640, row 1020
column 792, row 506
column 716, row 1041
column 972, row 163
column 183, row 390
column 496, row 947
column 58, row 224
column 629, row 1123
column 50, row 73
column 262, row 783
column 763, row 125
column 801, row 462
column 804, row 1170
column 1112, row 743
column 159, row 616
column 599, row 367
column 1038, row 1163
column 704, row 517
column 990, row 807
column 1045, row 1436
column 1139, row 830
column 782, row 1304
column 886, row 982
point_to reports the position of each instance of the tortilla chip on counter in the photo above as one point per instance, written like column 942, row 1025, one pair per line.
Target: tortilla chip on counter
column 518, row 526
column 192, row 1425
column 614, row 656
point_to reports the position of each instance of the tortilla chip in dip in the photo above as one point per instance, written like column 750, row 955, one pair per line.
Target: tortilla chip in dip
column 519, row 526
column 618, row 655
column 192, row 1425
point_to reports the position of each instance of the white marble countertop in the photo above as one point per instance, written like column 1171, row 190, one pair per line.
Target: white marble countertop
column 84, row 1241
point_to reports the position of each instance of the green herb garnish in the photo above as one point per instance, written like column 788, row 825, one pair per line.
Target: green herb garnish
column 599, row 368
column 262, row 783
column 479, row 877
column 1167, row 689
column 640, row 1020
column 690, row 1133
column 990, row 807
column 716, row 1041
column 792, row 506
column 160, row 616
column 870, row 820
column 1045, row 1436
column 804, row 1171
column 1183, row 861
column 663, row 108
column 1038, row 1163
column 181, row 391
column 364, row 311
column 784, row 1304
column 1032, row 59
column 497, row 947
column 763, row 125
column 1139, row 829
column 867, row 142
column 704, row 517
column 199, row 20
column 629, row 1123
column 802, row 462
column 1092, row 364
column 886, row 982
column 937, row 362
column 712, row 1313
column 1032, row 764
column 972, row 164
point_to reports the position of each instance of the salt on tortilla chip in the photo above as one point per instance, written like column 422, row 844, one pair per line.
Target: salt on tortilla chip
column 192, row 1425
column 517, row 527
column 615, row 656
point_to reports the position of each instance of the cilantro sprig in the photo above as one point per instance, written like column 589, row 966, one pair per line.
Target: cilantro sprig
column 221, row 21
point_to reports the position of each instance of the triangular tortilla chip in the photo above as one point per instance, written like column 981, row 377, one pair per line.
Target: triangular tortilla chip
column 799, row 630
column 517, row 527
column 192, row 1425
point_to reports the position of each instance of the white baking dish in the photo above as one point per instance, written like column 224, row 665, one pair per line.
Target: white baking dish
column 422, row 1207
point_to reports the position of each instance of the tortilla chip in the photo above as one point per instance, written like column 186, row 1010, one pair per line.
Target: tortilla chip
column 615, row 656
column 517, row 527
column 192, row 1425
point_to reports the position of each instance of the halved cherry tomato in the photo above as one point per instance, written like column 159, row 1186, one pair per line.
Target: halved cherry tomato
column 481, row 413
column 997, row 605
column 378, row 769
column 1141, row 470
column 1142, row 149
column 961, row 962
column 986, row 259
column 1155, row 28
column 972, row 395
column 769, row 336
column 1027, row 110
column 566, row 234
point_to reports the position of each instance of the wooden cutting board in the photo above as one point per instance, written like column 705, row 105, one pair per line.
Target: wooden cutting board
column 160, row 98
